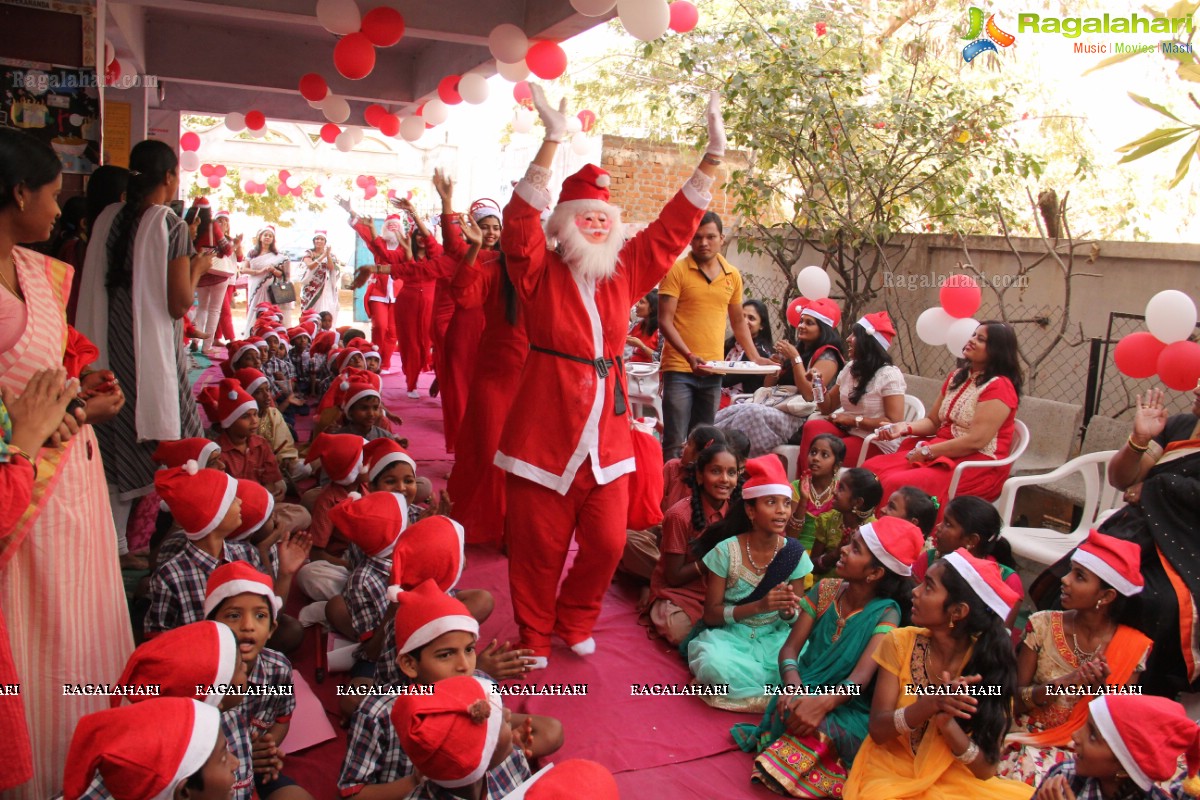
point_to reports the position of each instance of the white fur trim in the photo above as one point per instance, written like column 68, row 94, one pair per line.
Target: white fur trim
column 494, row 721
column 532, row 194
column 1105, row 572
column 222, row 510
column 233, row 588
column 435, row 628
column 767, row 490
column 252, row 387
column 206, row 724
column 236, row 414
column 352, row 476
column 808, row 312
column 574, row 207
column 227, row 658
column 1098, row 708
column 206, row 453
column 387, row 551
column 359, row 396
column 388, row 460
column 876, row 335
column 876, row 547
column 462, row 549
column 986, row 593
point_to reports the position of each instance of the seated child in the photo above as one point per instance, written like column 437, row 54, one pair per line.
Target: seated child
column 111, row 755
column 340, row 460
column 207, row 455
column 245, row 599
column 677, row 587
column 326, row 321
column 301, row 359
column 279, row 371
column 814, row 519
column 1129, row 748
column 857, row 494
column 1085, row 645
column 271, row 424
column 243, row 354
column 461, row 740
column 917, row 506
column 361, row 409
column 246, row 454
column 319, row 373
column 975, row 524
column 755, row 581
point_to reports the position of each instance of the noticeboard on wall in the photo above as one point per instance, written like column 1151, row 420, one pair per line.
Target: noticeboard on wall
column 59, row 105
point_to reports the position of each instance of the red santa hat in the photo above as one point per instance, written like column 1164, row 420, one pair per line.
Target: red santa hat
column 233, row 402
column 426, row 613
column 567, row 781
column 265, row 229
column 355, row 389
column 260, row 343
column 323, row 342
column 823, row 310
column 309, row 326
column 984, row 579
column 1114, row 561
column 374, row 522
column 201, row 202
column 485, row 207
column 184, row 662
column 257, row 506
column 1147, row 734
column 586, row 190
column 309, row 313
column 895, row 542
column 396, row 218
column 451, row 733
column 879, row 326
column 238, row 577
column 431, row 549
column 765, row 476
column 340, row 455
column 224, row 212
column 239, row 348
column 197, row 498
column 250, row 379
column 341, row 359
column 324, row 234
column 296, row 332
column 380, row 454
column 181, row 451
column 135, row 766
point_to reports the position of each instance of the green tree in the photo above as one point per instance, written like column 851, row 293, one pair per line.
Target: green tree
column 269, row 206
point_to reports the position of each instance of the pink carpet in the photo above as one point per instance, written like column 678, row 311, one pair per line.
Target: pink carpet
column 661, row 747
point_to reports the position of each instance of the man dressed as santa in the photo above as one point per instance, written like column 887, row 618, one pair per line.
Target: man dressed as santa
column 383, row 288
column 569, row 454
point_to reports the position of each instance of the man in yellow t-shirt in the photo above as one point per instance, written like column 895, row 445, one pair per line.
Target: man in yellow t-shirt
column 697, row 296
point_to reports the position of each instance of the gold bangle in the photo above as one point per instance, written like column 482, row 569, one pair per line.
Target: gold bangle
column 1134, row 446
column 13, row 450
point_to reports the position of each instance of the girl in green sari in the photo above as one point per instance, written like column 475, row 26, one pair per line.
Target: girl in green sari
column 806, row 741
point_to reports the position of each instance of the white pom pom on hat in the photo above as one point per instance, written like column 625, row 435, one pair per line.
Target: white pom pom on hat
column 192, row 466
column 603, row 181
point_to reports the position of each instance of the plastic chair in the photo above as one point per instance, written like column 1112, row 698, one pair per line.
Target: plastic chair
column 914, row 410
column 1045, row 546
column 1020, row 442
column 644, row 382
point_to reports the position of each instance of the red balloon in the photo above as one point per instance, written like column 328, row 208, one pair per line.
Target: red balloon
column 794, row 311
column 329, row 132
column 249, row 187
column 206, row 170
column 448, row 90
column 371, row 180
column 521, row 91
column 255, row 120
column 1179, row 365
column 354, row 56
column 370, row 192
column 297, row 191
column 383, row 26
column 112, row 72
column 1137, row 354
column 684, row 16
column 960, row 296
column 362, row 182
column 220, row 171
column 389, row 125
column 317, row 191
column 588, row 118
column 214, row 182
column 373, row 114
column 189, row 141
column 283, row 190
column 546, row 60
column 284, row 176
column 313, row 87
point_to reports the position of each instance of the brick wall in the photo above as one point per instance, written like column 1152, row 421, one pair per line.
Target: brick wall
column 646, row 175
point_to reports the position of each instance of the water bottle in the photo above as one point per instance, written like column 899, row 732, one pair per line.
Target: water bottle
column 818, row 389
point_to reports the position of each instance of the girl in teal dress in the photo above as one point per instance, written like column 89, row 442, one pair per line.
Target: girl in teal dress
column 755, row 579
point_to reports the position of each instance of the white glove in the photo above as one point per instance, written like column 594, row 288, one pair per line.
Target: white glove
column 716, row 126
column 555, row 121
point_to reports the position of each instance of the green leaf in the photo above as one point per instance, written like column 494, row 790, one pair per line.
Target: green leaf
column 1149, row 137
column 1182, row 169
column 1150, row 104
column 1189, row 72
column 1150, row 147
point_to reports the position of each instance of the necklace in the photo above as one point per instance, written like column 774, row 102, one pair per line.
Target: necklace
column 820, row 499
column 750, row 558
column 1080, row 654
column 16, row 291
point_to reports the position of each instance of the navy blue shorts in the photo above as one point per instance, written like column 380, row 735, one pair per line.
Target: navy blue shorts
column 265, row 790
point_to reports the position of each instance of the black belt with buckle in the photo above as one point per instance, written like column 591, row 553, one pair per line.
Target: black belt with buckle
column 602, row 367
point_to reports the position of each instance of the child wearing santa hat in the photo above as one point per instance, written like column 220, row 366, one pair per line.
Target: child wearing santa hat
column 245, row 599
column 280, row 372
column 749, row 620
column 361, row 405
column 1129, row 747
column 243, row 353
column 573, row 779
column 301, row 338
column 111, row 756
column 340, row 460
column 272, row 425
column 460, row 740
column 246, row 454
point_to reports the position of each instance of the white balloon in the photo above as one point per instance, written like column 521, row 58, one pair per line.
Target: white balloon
column 344, row 141
column 336, row 109
column 523, row 120
column 958, row 334
column 517, row 71
column 474, row 88
column 813, row 283
column 339, row 16
column 574, row 125
column 412, row 128
column 235, row 121
column 436, row 112
column 645, row 19
column 189, row 160
column 260, row 133
column 580, row 145
column 1171, row 316
column 356, row 133
column 129, row 74
column 110, row 52
column 933, row 324
column 508, row 43
column 593, row 8
column 260, row 176
column 316, row 103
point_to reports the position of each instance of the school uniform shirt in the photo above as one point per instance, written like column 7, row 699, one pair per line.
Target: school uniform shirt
column 373, row 752
column 265, row 710
column 235, row 724
column 281, row 366
column 1089, row 788
column 387, row 669
column 175, row 543
column 273, row 428
column 301, row 365
column 502, row 780
column 256, row 463
column 376, row 432
column 177, row 588
column 366, row 594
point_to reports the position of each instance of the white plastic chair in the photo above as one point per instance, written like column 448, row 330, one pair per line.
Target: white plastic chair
column 914, row 410
column 643, row 380
column 1042, row 545
column 1020, row 441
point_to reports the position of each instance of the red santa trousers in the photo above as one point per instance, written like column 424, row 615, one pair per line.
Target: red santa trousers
column 414, row 320
column 538, row 530
column 383, row 330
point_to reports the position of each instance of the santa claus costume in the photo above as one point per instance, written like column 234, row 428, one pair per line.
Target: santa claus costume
column 569, row 454
column 383, row 288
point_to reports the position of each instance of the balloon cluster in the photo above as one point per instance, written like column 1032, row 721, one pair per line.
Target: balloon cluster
column 1165, row 350
column 813, row 283
column 354, row 54
column 214, row 173
column 644, row 19
column 951, row 323
column 517, row 56
column 189, row 159
column 368, row 184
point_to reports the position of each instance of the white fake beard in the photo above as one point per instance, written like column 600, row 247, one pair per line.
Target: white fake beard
column 390, row 239
column 589, row 260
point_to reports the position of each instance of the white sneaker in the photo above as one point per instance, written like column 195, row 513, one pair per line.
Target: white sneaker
column 413, row 395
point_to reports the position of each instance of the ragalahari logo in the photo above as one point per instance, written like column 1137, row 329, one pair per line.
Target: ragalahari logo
column 984, row 37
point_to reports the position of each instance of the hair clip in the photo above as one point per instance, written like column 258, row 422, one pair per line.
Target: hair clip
column 933, row 499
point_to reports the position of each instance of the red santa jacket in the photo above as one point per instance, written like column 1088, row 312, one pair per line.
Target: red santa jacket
column 380, row 288
column 564, row 410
